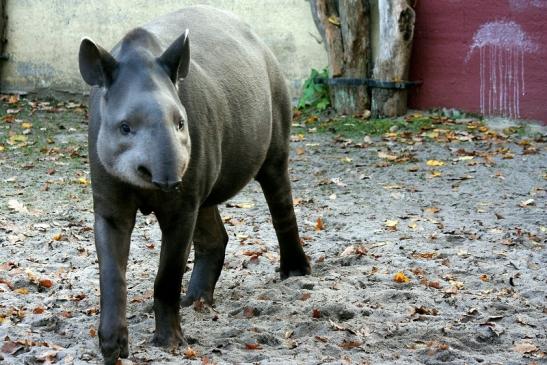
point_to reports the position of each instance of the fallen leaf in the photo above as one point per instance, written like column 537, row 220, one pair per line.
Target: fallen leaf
column 485, row 277
column 253, row 346
column 17, row 138
column 525, row 347
column 300, row 150
column 400, row 277
column 26, row 125
column 425, row 255
column 391, row 225
column 17, row 206
column 316, row 313
column 57, row 237
column 22, row 291
column 46, row 283
column 527, row 203
column 387, row 156
column 432, row 210
column 333, row 19
column 435, row 163
column 190, row 353
column 319, row 224
column 348, row 345
column 424, row 311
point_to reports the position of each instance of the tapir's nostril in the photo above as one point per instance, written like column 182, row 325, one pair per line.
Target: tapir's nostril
column 144, row 171
column 168, row 186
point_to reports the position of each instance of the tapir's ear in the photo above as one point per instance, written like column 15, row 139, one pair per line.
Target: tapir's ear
column 97, row 66
column 176, row 59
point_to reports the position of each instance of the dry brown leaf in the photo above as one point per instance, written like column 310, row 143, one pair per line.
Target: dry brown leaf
column 525, row 347
column 319, row 224
column 348, row 345
column 316, row 313
column 46, row 283
column 190, row 353
column 253, row 346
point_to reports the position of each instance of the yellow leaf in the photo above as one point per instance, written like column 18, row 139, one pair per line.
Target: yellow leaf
column 391, row 224
column 346, row 160
column 333, row 19
column 2, row 148
column 26, row 125
column 22, row 291
column 84, row 181
column 57, row 237
column 387, row 156
column 436, row 173
column 17, row 138
column 400, row 277
column 435, row 163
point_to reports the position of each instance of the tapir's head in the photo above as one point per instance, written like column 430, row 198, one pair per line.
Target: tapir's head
column 143, row 135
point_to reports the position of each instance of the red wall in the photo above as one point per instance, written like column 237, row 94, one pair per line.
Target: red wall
column 510, row 36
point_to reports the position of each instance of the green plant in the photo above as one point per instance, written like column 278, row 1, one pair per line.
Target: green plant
column 315, row 94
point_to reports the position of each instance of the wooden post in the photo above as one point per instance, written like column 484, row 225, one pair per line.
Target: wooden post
column 344, row 26
column 393, row 60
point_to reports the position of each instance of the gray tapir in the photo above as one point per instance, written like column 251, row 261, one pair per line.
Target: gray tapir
column 176, row 130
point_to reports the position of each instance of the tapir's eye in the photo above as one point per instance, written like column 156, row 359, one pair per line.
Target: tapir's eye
column 181, row 123
column 125, row 129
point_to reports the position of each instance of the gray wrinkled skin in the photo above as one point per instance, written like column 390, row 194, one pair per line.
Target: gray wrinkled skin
column 180, row 122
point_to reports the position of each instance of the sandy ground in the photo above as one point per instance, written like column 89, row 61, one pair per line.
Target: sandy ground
column 422, row 252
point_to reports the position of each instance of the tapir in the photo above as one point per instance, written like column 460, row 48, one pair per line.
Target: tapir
column 176, row 128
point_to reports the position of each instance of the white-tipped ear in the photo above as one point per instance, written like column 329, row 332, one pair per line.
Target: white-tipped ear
column 176, row 59
column 97, row 66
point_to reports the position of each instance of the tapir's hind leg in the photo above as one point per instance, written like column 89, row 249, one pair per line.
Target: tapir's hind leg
column 210, row 240
column 275, row 183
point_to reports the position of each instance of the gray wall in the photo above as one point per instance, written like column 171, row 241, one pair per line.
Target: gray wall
column 44, row 36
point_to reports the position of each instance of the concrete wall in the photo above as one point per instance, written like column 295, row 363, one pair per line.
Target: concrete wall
column 44, row 36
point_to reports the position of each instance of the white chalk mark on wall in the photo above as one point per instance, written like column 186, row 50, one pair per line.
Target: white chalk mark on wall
column 502, row 46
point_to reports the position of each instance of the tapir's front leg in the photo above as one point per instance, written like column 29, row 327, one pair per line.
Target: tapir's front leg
column 112, row 238
column 177, row 228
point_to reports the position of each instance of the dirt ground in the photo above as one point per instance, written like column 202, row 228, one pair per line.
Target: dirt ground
column 427, row 248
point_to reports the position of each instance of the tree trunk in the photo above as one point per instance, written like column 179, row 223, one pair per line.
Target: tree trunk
column 344, row 26
column 3, row 40
column 393, row 61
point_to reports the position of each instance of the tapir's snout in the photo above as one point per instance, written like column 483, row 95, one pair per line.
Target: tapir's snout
column 168, row 186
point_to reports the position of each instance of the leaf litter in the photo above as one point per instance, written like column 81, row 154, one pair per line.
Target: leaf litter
column 449, row 253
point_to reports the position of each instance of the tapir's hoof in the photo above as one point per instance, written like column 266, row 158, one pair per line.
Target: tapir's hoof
column 202, row 298
column 294, row 270
column 113, row 346
column 173, row 338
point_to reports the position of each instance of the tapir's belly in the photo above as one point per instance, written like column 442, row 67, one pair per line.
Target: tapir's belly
column 242, row 158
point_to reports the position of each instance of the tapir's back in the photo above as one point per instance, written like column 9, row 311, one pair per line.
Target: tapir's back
column 235, row 91
column 223, row 48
